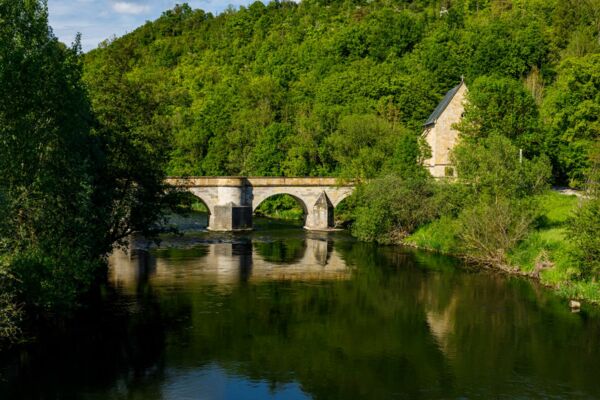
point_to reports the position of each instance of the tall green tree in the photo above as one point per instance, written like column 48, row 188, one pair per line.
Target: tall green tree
column 363, row 144
column 72, row 183
column 585, row 226
column 501, row 106
column 133, row 138
column 47, row 236
column 571, row 114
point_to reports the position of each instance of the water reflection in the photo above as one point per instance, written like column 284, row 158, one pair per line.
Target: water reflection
column 295, row 317
column 230, row 263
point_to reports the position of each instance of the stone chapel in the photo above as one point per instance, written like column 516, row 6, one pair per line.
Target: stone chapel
column 439, row 133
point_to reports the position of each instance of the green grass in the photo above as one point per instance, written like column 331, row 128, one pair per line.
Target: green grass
column 589, row 291
column 437, row 235
column 549, row 236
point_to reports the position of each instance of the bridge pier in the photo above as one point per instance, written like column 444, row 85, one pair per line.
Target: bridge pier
column 231, row 217
column 320, row 216
column 231, row 212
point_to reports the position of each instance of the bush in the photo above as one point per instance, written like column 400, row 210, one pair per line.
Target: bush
column 489, row 230
column 53, row 280
column 390, row 208
column 585, row 233
column 10, row 312
column 492, row 167
column 585, row 226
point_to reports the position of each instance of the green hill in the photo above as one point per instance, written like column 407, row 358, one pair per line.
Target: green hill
column 305, row 89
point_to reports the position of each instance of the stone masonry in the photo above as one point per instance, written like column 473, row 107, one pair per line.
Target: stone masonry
column 231, row 201
column 439, row 133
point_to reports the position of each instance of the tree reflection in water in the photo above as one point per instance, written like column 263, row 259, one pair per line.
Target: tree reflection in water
column 311, row 317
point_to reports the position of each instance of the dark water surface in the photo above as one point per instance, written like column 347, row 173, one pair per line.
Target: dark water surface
column 283, row 314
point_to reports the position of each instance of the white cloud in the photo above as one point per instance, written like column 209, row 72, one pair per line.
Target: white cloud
column 123, row 7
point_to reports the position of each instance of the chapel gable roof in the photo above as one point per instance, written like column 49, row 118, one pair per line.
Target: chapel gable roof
column 443, row 104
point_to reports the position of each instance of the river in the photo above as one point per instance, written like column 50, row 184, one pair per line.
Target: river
column 279, row 313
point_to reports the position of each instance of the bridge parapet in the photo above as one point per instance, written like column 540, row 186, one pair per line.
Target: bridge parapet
column 209, row 181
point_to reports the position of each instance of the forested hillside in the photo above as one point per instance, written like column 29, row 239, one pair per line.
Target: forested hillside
column 342, row 87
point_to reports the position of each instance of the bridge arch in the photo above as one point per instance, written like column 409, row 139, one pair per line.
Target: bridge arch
column 206, row 197
column 188, row 197
column 262, row 197
column 338, row 197
column 299, row 202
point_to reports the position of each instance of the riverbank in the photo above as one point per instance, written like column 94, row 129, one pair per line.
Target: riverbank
column 544, row 255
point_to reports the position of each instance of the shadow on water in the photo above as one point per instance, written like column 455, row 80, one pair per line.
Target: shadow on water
column 279, row 313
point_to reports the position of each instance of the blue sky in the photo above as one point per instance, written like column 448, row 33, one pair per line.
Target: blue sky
column 98, row 20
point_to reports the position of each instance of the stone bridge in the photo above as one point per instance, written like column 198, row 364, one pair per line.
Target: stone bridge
column 231, row 201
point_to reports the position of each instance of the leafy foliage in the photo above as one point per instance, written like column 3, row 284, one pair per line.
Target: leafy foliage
column 72, row 182
column 499, row 208
column 572, row 115
column 585, row 231
column 585, row 228
column 493, row 167
column 324, row 88
column 501, row 106
column 46, row 177
column 390, row 208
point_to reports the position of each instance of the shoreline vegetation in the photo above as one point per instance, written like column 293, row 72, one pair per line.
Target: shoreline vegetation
column 545, row 255
column 499, row 213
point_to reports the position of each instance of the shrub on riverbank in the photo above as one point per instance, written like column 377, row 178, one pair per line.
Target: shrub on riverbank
column 547, row 235
column 390, row 208
column 500, row 204
column 585, row 229
column 585, row 233
column 10, row 312
column 489, row 210
column 487, row 231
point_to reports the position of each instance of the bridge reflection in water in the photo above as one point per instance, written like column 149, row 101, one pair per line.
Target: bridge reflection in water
column 230, row 263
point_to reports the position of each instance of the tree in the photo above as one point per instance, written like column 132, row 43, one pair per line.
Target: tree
column 133, row 137
column 501, row 106
column 499, row 208
column 492, row 167
column 390, row 208
column 362, row 145
column 585, row 226
column 71, row 184
column 572, row 115
column 48, row 239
